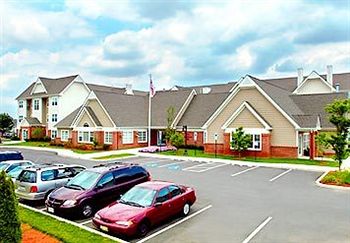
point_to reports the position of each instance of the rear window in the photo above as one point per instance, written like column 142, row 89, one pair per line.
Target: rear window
column 27, row 176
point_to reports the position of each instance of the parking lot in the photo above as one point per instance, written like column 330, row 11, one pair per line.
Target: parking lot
column 241, row 203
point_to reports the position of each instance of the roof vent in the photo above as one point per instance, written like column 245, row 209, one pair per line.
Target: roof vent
column 206, row 90
column 300, row 76
column 128, row 89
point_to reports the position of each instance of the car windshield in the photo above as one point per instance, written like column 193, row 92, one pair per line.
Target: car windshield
column 3, row 166
column 139, row 196
column 84, row 180
column 15, row 172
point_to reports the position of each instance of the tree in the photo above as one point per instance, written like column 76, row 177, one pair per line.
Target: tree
column 339, row 116
column 170, row 131
column 38, row 134
column 10, row 224
column 240, row 141
column 322, row 142
column 6, row 123
column 177, row 139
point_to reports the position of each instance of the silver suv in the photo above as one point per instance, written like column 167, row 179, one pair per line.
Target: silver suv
column 38, row 181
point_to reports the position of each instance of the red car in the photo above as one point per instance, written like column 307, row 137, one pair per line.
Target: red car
column 143, row 206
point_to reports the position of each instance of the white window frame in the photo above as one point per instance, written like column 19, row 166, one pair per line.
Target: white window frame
column 64, row 135
column 108, row 137
column 53, row 134
column 54, row 101
column 205, row 137
column 20, row 118
column 126, row 139
column 20, row 104
column 38, row 104
column 253, row 141
column 89, row 136
column 139, row 139
column 54, row 117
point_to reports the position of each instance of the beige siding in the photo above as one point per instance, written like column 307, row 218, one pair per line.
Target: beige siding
column 101, row 115
column 85, row 118
column 246, row 119
column 283, row 132
column 312, row 86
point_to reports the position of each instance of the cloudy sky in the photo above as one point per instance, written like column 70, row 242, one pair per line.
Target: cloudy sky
column 179, row 42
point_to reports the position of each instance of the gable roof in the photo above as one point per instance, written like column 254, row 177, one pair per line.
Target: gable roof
column 53, row 86
column 68, row 120
column 93, row 116
column 32, row 121
column 214, row 88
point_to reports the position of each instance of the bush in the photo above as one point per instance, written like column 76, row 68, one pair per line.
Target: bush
column 10, row 225
column 337, row 177
column 106, row 147
column 15, row 138
column 46, row 139
column 38, row 134
column 56, row 142
column 192, row 146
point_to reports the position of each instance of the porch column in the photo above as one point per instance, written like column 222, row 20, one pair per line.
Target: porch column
column 312, row 145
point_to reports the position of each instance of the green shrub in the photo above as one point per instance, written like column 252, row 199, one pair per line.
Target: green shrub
column 15, row 138
column 10, row 225
column 337, row 177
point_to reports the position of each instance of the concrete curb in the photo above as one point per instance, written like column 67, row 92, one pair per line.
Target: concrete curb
column 91, row 230
column 318, row 183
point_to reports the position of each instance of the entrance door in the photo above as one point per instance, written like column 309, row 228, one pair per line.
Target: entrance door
column 24, row 134
column 161, row 138
column 303, row 144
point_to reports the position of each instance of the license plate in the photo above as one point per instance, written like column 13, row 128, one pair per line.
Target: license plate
column 50, row 210
column 21, row 188
column 104, row 228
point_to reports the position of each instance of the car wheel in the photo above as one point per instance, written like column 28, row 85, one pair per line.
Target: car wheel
column 87, row 210
column 186, row 209
column 143, row 229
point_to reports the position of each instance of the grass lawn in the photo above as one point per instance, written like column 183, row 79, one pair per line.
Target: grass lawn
column 113, row 156
column 339, row 178
column 200, row 153
column 47, row 145
column 60, row 230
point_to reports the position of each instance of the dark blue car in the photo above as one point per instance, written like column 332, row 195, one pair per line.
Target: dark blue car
column 10, row 155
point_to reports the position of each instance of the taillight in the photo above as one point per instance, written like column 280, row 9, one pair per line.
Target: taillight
column 33, row 189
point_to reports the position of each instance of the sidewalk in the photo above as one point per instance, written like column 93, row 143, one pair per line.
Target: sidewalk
column 90, row 156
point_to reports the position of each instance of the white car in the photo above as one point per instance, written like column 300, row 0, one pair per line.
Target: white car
column 9, row 165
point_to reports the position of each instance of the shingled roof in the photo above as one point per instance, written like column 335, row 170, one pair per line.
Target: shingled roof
column 68, row 120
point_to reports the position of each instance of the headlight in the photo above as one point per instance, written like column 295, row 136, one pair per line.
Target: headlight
column 69, row 203
column 97, row 216
column 124, row 223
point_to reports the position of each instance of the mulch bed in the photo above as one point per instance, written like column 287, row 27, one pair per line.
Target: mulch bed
column 30, row 235
column 335, row 184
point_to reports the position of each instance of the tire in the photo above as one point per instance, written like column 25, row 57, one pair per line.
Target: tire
column 143, row 228
column 186, row 209
column 87, row 210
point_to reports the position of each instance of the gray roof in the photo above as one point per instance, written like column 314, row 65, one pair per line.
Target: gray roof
column 214, row 88
column 68, row 120
column 201, row 108
column 33, row 121
column 93, row 116
column 53, row 86
column 105, row 88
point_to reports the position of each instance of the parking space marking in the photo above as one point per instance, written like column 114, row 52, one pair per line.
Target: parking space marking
column 202, row 167
column 244, row 171
column 86, row 222
column 175, row 163
column 282, row 174
column 174, row 224
column 212, row 167
column 262, row 225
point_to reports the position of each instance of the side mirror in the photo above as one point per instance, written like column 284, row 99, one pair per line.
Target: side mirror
column 158, row 204
column 98, row 187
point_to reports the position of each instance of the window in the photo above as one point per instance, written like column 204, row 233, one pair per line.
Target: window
column 106, row 181
column 108, row 137
column 36, row 105
column 85, row 137
column 255, row 143
column 205, row 136
column 20, row 104
column 48, row 175
column 128, row 137
column 20, row 118
column 53, row 133
column 86, row 124
column 54, row 101
column 163, row 195
column 54, row 118
column 142, row 136
column 174, row 190
column 64, row 135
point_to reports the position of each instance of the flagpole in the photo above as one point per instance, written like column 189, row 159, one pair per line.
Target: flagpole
column 149, row 112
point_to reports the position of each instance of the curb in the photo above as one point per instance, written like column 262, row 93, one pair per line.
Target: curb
column 91, row 230
column 318, row 183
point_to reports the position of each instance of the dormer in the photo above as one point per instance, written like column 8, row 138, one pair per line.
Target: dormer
column 315, row 83
column 38, row 87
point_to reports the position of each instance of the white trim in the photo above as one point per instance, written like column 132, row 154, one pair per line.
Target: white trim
column 132, row 137
column 248, row 130
column 38, row 80
column 77, row 79
column 234, row 93
column 252, row 132
column 104, row 137
column 244, row 105
column 183, row 108
column 138, row 137
column 236, row 84
column 87, row 112
column 89, row 134
column 313, row 75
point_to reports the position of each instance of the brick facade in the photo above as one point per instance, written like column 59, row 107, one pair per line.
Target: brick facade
column 190, row 138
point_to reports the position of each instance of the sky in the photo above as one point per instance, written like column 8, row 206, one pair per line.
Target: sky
column 179, row 42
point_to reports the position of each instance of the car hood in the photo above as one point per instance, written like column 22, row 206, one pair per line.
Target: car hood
column 65, row 193
column 121, row 212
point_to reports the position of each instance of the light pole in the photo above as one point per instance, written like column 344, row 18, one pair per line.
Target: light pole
column 195, row 143
column 216, row 140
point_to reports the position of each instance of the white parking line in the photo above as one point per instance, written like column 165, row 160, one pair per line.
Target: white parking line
column 176, row 163
column 244, row 171
column 251, row 236
column 86, row 222
column 173, row 225
column 282, row 174
column 204, row 167
column 210, row 168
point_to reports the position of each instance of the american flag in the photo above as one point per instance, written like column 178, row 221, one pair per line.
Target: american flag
column 152, row 90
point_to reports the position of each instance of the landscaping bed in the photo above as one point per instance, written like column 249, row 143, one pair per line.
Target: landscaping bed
column 113, row 156
column 337, row 178
column 30, row 235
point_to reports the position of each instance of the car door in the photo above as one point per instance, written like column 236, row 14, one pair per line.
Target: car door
column 177, row 199
column 162, row 205
column 123, row 181
column 104, row 190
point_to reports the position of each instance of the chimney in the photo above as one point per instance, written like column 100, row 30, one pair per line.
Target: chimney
column 330, row 74
column 300, row 76
column 337, row 87
column 128, row 89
